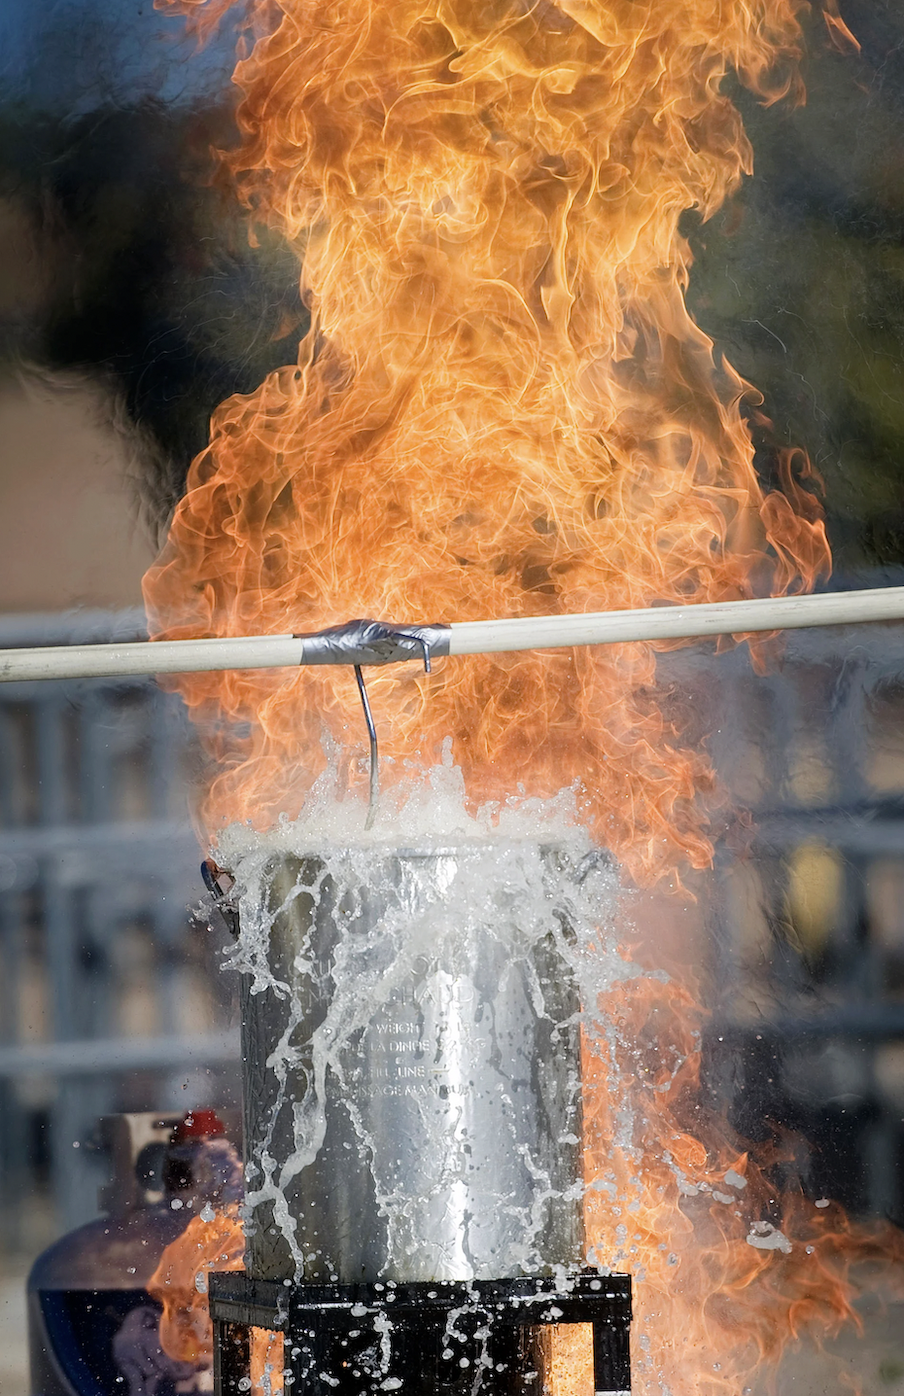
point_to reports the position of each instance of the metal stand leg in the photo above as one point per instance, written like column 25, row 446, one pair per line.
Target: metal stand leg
column 611, row 1358
column 231, row 1359
column 419, row 1339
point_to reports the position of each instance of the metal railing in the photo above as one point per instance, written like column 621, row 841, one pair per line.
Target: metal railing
column 807, row 923
column 109, row 993
column 110, row 998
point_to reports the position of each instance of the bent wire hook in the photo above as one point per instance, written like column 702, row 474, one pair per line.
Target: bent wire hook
column 374, row 795
column 385, row 644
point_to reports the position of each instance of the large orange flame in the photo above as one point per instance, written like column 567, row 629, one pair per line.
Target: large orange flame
column 503, row 406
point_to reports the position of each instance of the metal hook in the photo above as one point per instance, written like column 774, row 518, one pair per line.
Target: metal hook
column 374, row 752
column 423, row 640
column 214, row 876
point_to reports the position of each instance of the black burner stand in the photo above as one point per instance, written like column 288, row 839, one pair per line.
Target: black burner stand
column 417, row 1339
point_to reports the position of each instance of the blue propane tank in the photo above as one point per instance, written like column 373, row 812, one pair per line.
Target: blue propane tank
column 92, row 1326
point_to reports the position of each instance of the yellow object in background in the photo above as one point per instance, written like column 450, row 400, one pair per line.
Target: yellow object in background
column 815, row 888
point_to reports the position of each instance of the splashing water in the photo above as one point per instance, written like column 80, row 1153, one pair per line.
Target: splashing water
column 727, row 1271
column 412, row 1033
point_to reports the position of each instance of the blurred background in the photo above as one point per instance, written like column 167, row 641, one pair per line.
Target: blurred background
column 131, row 303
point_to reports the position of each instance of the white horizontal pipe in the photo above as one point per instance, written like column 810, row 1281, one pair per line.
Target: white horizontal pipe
column 678, row 622
column 146, row 657
column 468, row 637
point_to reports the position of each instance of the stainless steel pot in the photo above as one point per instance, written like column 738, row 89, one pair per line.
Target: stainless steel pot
column 412, row 1084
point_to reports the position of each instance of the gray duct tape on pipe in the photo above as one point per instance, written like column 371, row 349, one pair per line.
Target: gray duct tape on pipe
column 375, row 642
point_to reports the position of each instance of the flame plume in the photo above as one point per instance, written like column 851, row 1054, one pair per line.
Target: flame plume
column 503, row 407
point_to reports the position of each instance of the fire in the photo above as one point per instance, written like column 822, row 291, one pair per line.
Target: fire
column 185, row 1329
column 729, row 1272
column 503, row 408
column 180, row 1285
